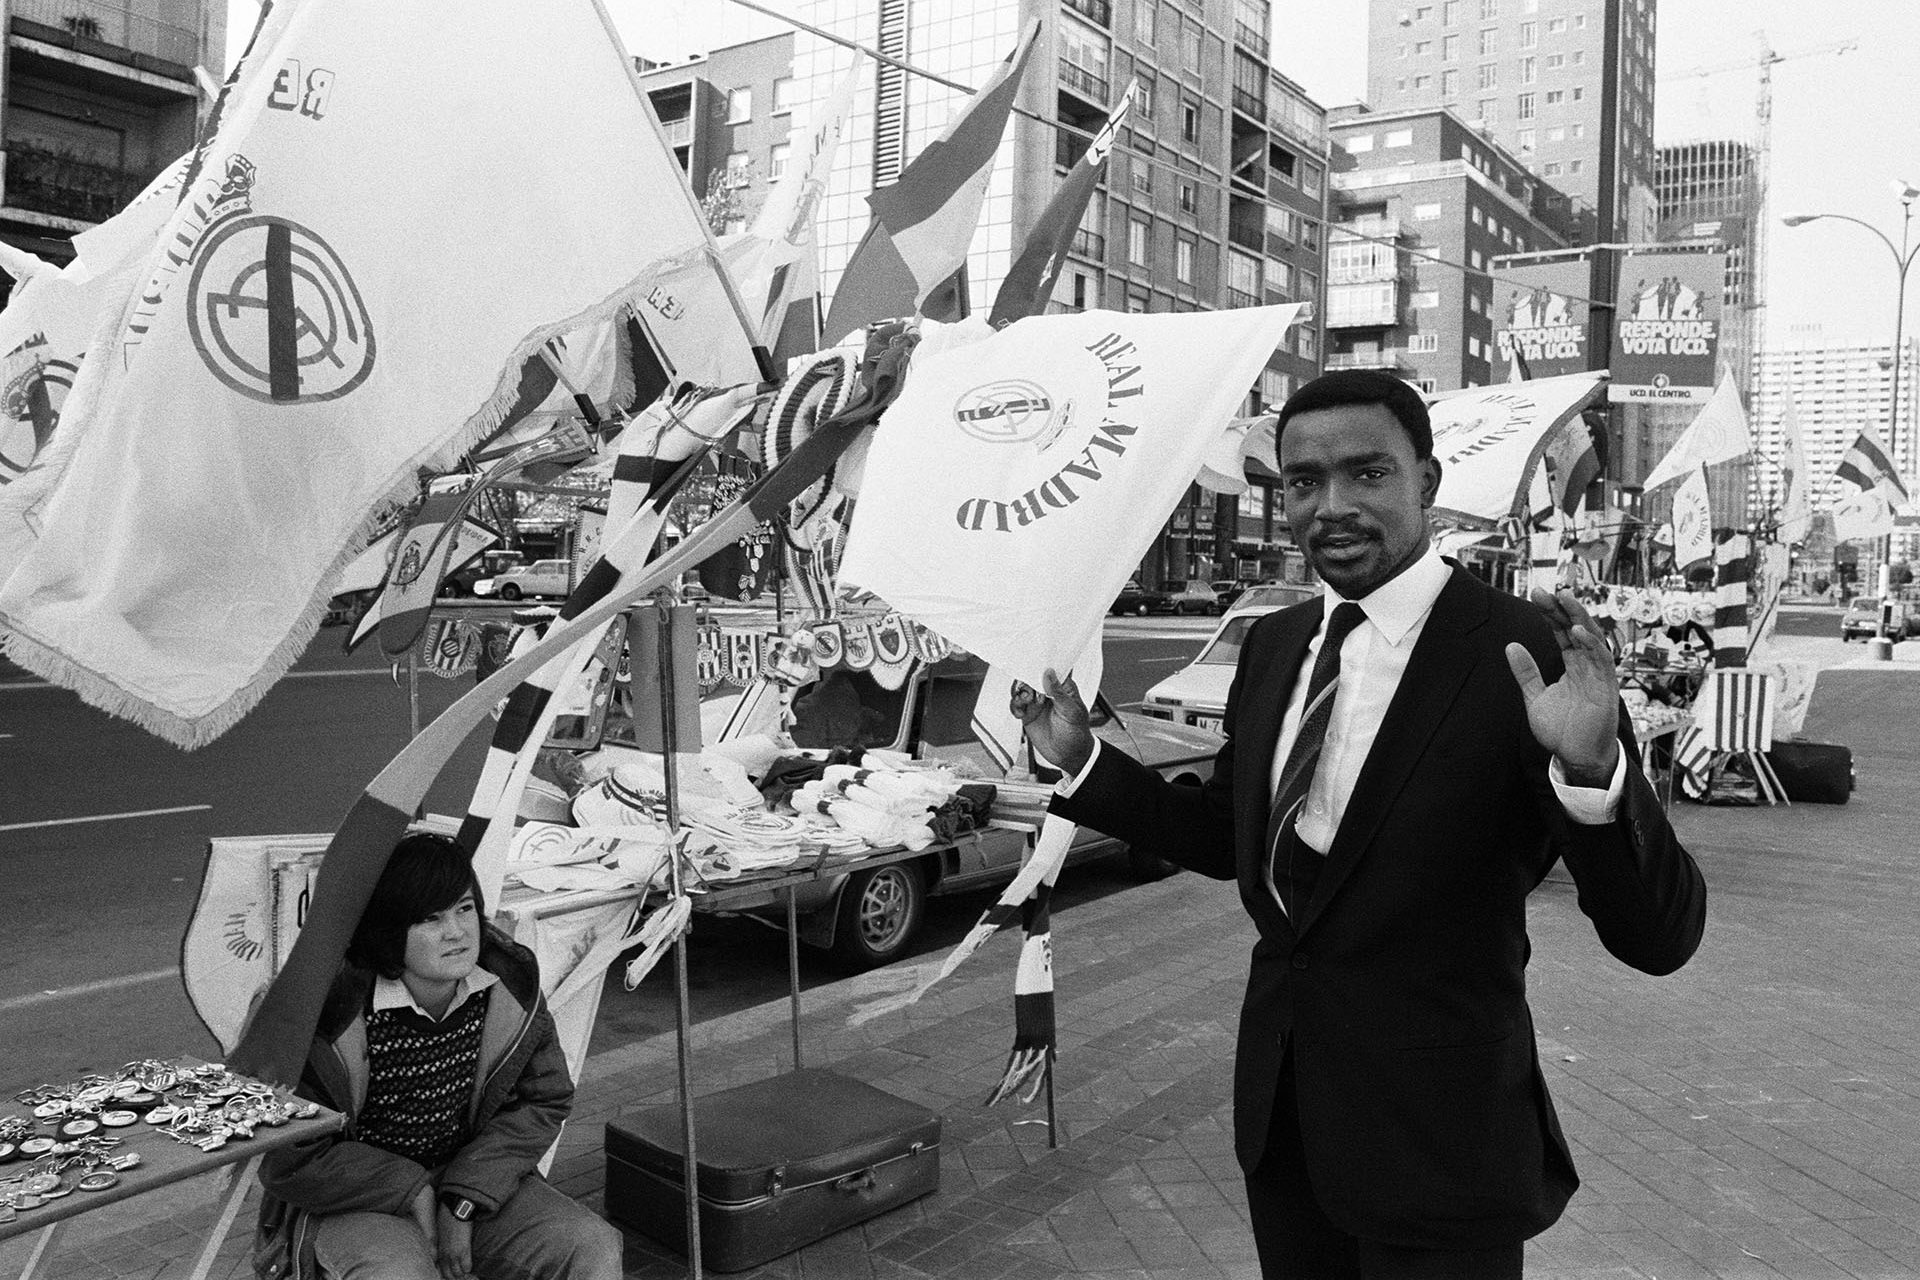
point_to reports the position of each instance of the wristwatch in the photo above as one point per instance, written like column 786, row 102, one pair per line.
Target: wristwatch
column 462, row 1209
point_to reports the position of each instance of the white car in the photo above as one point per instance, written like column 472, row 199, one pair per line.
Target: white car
column 1197, row 693
column 541, row 578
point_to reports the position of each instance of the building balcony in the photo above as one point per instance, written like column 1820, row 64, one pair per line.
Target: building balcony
column 1100, row 11
column 1247, row 38
column 679, row 132
column 1083, row 82
column 1391, row 359
column 1090, row 245
column 1370, row 228
column 95, row 21
column 1250, row 104
column 1241, row 298
column 66, row 186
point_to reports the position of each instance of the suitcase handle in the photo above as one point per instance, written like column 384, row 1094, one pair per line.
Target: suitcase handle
column 854, row 1182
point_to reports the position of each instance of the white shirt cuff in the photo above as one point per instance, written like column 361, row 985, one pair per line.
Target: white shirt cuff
column 1590, row 806
column 1067, row 786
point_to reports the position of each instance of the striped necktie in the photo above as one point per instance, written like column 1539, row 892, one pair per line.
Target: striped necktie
column 1296, row 776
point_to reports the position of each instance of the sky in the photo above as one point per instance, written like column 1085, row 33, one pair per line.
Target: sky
column 1845, row 127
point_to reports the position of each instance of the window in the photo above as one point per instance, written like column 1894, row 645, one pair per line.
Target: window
column 1420, row 82
column 1553, row 169
column 1525, row 138
column 1529, row 34
column 1579, row 57
column 1556, row 96
column 1576, row 131
column 1473, row 347
column 777, row 156
column 740, row 104
column 1489, row 111
column 1573, row 166
column 1450, row 13
column 1426, row 212
column 739, row 169
column 1579, row 22
column 1400, row 85
column 1306, row 341
column 1555, row 61
column 1079, row 291
column 1423, row 13
column 1556, row 26
column 1423, row 300
column 1524, row 107
column 1489, row 75
column 1449, row 83
column 1189, row 198
column 1426, row 386
column 1422, row 48
column 1358, row 143
column 1183, row 261
column 1143, row 97
column 1493, row 225
column 1579, row 92
column 1529, row 70
column 1400, row 52
column 1190, row 120
column 1143, row 15
column 1476, row 217
column 1190, row 44
column 1283, row 223
column 1139, row 301
column 1280, row 279
column 1449, row 48
column 1137, row 232
column 1506, row 236
column 783, row 96
column 733, row 226
column 1477, row 260
column 1310, row 175
column 1419, row 343
column 1475, row 303
column 1489, row 42
column 1142, row 175
column 1489, row 10
column 1397, row 138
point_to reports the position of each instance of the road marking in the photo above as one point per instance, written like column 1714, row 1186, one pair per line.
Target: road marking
column 1178, row 657
column 87, row 989
column 291, row 675
column 105, row 817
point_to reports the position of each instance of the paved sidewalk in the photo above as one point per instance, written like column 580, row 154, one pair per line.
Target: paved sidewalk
column 1755, row 1115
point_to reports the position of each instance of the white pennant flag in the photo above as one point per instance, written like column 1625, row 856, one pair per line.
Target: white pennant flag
column 1692, row 520
column 1867, row 490
column 1015, row 484
column 1718, row 433
column 369, row 252
column 1796, row 512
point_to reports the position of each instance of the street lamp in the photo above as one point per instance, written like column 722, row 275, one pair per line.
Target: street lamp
column 1903, row 257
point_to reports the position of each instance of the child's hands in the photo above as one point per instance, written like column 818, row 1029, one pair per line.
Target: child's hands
column 455, row 1250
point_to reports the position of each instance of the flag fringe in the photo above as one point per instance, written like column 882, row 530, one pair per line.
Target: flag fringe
column 192, row 732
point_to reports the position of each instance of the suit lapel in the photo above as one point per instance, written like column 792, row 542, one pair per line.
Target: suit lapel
column 1441, row 661
column 1257, row 738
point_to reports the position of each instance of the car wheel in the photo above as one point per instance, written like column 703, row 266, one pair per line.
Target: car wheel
column 1140, row 610
column 880, row 911
column 1147, row 866
column 509, row 591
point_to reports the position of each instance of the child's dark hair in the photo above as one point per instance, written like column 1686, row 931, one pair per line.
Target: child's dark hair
column 425, row 875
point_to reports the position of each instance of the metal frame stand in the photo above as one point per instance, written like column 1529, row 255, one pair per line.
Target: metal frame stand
column 682, row 1001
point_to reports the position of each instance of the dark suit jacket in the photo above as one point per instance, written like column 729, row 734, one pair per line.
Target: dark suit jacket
column 1402, row 988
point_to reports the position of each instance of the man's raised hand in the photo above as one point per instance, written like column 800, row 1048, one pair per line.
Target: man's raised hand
column 1577, row 717
column 1055, row 721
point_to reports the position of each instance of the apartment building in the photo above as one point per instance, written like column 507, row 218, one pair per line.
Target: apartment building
column 727, row 115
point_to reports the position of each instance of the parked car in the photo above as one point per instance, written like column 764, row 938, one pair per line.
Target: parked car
column 869, row 917
column 1196, row 695
column 1196, row 597
column 541, row 578
column 488, row 564
column 1228, row 589
column 1862, row 620
column 1137, row 600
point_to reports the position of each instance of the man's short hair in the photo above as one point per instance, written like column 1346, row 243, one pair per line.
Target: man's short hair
column 425, row 875
column 1362, row 386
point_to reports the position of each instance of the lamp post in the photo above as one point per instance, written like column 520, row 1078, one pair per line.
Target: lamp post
column 1903, row 257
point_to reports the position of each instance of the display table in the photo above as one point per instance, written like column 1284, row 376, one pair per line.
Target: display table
column 1656, row 760
column 163, row 1162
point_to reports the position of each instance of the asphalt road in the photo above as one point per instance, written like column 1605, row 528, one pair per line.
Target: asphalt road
column 104, row 829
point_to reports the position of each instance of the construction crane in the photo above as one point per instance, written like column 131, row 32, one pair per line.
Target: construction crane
column 1763, row 62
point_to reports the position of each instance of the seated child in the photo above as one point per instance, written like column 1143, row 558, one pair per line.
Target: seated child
column 437, row 1046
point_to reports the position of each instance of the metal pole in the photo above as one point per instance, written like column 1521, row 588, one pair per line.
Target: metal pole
column 793, row 970
column 1901, row 262
column 413, row 692
column 682, row 1000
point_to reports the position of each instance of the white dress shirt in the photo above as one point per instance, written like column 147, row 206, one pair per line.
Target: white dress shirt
column 393, row 993
column 1372, row 660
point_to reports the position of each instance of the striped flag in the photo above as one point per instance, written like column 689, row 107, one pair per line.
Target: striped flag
column 1868, row 488
column 1029, row 283
column 1730, row 574
column 923, row 224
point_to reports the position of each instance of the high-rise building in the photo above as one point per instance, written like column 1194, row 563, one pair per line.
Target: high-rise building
column 726, row 115
column 1837, row 388
column 1565, row 85
column 1424, row 203
column 97, row 97
column 1214, row 197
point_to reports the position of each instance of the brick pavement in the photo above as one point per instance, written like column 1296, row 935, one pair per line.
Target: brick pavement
column 1755, row 1115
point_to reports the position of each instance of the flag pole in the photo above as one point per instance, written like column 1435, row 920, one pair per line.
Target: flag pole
column 760, row 353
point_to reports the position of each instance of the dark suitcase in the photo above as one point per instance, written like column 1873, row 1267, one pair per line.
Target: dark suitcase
column 1813, row 772
column 782, row 1163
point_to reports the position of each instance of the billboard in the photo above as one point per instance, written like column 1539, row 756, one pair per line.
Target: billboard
column 1540, row 316
column 1666, row 331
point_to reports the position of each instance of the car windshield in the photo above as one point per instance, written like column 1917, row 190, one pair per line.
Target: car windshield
column 1225, row 649
column 1865, row 603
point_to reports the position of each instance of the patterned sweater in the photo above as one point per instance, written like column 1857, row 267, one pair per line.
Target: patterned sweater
column 420, row 1077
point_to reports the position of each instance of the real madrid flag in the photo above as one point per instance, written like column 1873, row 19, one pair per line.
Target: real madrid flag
column 397, row 208
column 1020, row 476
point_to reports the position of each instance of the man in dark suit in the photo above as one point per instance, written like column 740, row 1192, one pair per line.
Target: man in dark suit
column 1406, row 759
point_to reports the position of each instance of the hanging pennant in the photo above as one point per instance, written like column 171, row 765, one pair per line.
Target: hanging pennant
column 743, row 657
column 709, row 663
column 857, row 644
column 829, row 644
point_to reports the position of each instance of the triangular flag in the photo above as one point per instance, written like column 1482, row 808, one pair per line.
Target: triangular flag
column 1692, row 520
column 1867, row 489
column 1029, row 283
column 1796, row 510
column 923, row 224
column 1718, row 433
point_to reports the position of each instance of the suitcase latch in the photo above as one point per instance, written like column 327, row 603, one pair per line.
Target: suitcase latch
column 776, row 1181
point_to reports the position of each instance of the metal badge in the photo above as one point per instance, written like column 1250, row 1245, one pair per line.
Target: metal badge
column 99, row 1181
column 118, row 1119
column 79, row 1128
column 50, row 1110
column 162, row 1114
column 56, row 1191
column 36, row 1146
column 41, row 1183
column 8, row 1152
column 26, row 1200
